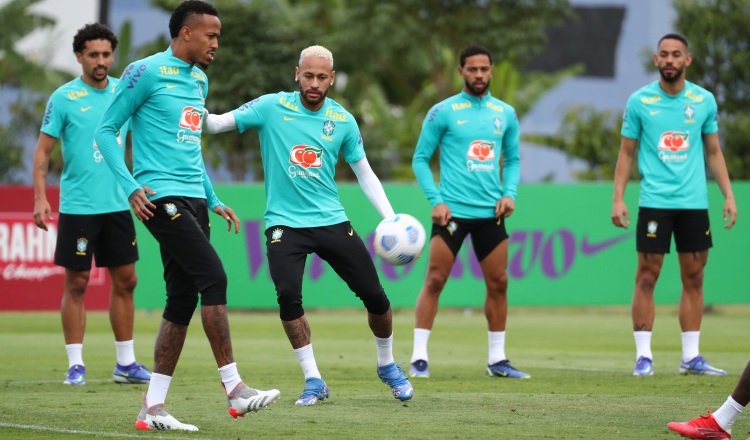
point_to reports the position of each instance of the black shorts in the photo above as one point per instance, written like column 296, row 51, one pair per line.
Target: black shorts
column 691, row 228
column 191, row 264
column 340, row 246
column 486, row 234
column 111, row 237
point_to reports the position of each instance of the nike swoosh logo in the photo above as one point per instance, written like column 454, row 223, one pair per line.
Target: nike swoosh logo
column 588, row 248
column 133, row 243
column 708, row 232
column 351, row 232
column 656, row 112
column 462, row 122
column 286, row 118
column 85, row 109
column 170, row 86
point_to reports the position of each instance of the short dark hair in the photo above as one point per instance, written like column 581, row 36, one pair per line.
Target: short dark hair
column 674, row 36
column 472, row 50
column 93, row 31
column 185, row 11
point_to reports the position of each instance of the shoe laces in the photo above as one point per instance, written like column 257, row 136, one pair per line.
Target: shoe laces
column 394, row 376
column 313, row 388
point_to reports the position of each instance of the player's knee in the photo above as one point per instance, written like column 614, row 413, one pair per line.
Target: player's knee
column 693, row 281
column 126, row 284
column 435, row 281
column 290, row 305
column 646, row 281
column 180, row 310
column 498, row 285
column 376, row 301
column 75, row 284
column 215, row 293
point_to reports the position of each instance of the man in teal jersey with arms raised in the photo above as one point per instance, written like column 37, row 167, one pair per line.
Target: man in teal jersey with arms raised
column 673, row 123
column 171, row 193
column 474, row 131
column 94, row 214
column 301, row 136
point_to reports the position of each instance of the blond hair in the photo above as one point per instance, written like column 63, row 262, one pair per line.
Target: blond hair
column 316, row 51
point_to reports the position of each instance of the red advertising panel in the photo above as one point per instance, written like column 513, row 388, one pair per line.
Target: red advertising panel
column 29, row 279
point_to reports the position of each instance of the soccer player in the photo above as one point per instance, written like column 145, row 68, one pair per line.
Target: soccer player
column 719, row 424
column 474, row 130
column 301, row 135
column 673, row 123
column 170, row 192
column 94, row 214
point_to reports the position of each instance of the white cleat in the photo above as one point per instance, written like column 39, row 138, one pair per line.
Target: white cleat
column 244, row 399
column 156, row 418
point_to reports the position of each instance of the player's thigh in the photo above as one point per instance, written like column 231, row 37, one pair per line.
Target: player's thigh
column 343, row 249
column 77, row 236
column 117, row 244
column 286, row 251
column 487, row 236
column 692, row 230
column 653, row 233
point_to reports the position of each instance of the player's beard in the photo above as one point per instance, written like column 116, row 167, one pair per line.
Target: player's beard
column 670, row 79
column 474, row 91
column 310, row 102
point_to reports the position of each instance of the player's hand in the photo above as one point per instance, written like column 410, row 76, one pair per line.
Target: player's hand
column 42, row 212
column 730, row 213
column 441, row 214
column 504, row 207
column 140, row 204
column 620, row 216
column 228, row 214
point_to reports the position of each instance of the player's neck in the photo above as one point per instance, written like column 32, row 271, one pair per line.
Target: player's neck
column 672, row 88
column 90, row 81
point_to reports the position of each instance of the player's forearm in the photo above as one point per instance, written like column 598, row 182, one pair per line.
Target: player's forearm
column 41, row 166
column 372, row 188
column 622, row 174
column 719, row 169
column 219, row 123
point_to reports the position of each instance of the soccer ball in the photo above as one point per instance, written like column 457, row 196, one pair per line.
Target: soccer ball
column 399, row 239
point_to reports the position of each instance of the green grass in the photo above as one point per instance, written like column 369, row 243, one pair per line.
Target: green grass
column 580, row 360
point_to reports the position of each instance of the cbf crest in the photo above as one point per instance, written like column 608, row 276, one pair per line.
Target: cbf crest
column 651, row 229
column 81, row 245
column 171, row 210
column 498, row 123
column 276, row 235
column 328, row 127
column 689, row 111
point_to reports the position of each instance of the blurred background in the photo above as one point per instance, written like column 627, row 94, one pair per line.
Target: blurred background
column 567, row 66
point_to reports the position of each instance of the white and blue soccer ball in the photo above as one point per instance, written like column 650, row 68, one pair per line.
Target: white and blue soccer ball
column 399, row 239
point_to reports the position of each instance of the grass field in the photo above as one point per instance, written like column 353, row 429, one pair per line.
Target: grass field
column 580, row 360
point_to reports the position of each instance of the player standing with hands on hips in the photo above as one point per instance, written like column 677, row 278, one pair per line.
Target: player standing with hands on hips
column 94, row 214
column 474, row 130
column 673, row 124
column 301, row 136
column 171, row 193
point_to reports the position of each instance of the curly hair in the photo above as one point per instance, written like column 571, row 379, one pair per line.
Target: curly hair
column 472, row 50
column 187, row 10
column 93, row 31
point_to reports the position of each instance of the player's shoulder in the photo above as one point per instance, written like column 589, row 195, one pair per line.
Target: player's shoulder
column 69, row 91
column 697, row 93
column 498, row 104
column 645, row 94
column 266, row 100
column 442, row 107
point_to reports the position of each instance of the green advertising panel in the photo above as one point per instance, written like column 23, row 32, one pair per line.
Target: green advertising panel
column 563, row 250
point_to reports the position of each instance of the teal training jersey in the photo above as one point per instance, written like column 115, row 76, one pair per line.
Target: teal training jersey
column 87, row 186
column 300, row 149
column 164, row 97
column 670, row 132
column 473, row 134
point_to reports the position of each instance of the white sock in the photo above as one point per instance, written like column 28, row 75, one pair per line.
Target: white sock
column 157, row 389
column 496, row 347
column 125, row 352
column 643, row 345
column 75, row 354
column 306, row 359
column 385, row 350
column 230, row 377
column 728, row 412
column 690, row 342
column 421, row 337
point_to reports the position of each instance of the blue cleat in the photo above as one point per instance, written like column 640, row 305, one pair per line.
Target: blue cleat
column 315, row 391
column 133, row 373
column 505, row 369
column 394, row 377
column 698, row 365
column 419, row 368
column 643, row 367
column 76, row 375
